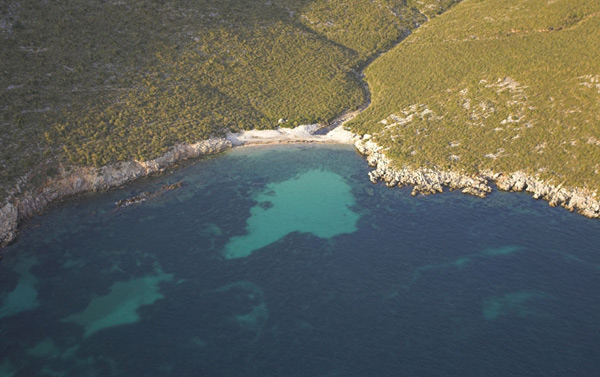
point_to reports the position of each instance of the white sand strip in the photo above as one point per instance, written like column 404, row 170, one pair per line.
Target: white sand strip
column 300, row 134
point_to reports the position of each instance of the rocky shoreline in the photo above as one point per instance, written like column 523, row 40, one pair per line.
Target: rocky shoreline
column 428, row 181
column 22, row 204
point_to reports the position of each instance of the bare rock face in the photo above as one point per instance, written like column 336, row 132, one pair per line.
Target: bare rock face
column 8, row 217
column 76, row 180
column 424, row 181
column 574, row 199
column 427, row 181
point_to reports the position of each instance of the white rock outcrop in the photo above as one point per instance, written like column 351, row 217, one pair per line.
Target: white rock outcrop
column 68, row 182
column 428, row 181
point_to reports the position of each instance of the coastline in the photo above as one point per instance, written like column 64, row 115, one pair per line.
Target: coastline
column 23, row 204
column 301, row 134
column 70, row 181
column 75, row 180
column 429, row 181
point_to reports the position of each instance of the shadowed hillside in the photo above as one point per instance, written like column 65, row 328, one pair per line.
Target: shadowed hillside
column 89, row 82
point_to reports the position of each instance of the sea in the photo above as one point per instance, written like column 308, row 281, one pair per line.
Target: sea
column 287, row 261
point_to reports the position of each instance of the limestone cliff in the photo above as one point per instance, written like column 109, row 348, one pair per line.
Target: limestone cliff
column 22, row 204
column 429, row 181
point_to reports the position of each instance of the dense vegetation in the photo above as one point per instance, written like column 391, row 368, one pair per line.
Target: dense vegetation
column 501, row 85
column 91, row 82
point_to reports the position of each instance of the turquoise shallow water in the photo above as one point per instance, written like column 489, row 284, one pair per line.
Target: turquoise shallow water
column 314, row 202
column 286, row 261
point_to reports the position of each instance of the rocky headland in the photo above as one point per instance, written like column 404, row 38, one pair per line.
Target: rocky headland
column 429, row 181
column 23, row 203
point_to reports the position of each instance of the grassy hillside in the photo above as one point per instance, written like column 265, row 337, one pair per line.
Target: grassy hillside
column 501, row 85
column 90, row 82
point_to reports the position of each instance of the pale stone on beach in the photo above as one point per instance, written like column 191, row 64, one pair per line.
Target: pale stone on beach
column 300, row 134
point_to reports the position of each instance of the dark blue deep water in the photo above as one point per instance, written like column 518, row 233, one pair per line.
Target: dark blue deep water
column 287, row 261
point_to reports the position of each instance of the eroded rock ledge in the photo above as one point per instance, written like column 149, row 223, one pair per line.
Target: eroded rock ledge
column 22, row 204
column 428, row 181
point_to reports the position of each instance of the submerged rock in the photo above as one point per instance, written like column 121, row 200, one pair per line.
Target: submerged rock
column 74, row 180
column 147, row 195
column 133, row 200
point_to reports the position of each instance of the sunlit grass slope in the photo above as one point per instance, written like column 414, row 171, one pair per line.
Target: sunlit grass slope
column 90, row 82
column 370, row 27
column 501, row 85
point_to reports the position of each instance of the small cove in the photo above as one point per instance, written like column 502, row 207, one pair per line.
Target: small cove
column 286, row 260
